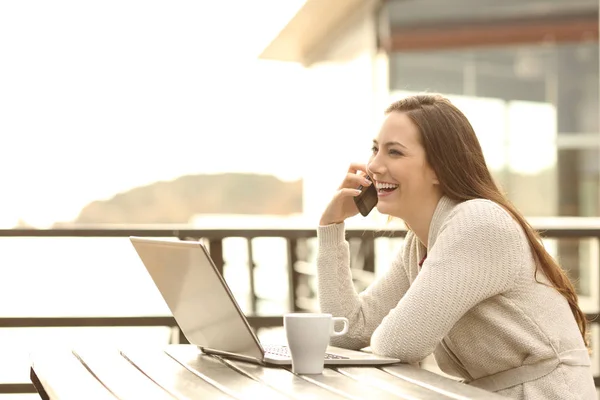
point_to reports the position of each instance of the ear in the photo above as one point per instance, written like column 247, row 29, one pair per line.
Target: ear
column 430, row 174
column 434, row 178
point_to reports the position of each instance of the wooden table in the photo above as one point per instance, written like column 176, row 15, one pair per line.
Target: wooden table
column 183, row 372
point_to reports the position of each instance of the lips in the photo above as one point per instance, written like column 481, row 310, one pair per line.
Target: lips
column 385, row 188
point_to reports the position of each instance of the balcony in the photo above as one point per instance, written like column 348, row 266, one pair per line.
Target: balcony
column 61, row 286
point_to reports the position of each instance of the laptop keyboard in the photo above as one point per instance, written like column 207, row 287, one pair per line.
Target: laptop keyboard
column 284, row 351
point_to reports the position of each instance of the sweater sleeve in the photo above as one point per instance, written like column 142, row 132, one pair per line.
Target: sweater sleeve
column 477, row 254
column 337, row 294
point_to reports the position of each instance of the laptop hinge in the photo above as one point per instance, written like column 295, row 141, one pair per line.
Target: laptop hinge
column 241, row 357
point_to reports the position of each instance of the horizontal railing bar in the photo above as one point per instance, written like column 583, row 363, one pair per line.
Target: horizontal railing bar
column 255, row 321
column 57, row 322
column 546, row 230
column 76, row 322
column 16, row 388
column 183, row 233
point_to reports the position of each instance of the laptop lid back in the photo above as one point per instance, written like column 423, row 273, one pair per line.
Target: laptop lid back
column 198, row 296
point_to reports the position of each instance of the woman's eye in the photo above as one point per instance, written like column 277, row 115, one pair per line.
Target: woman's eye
column 374, row 149
column 396, row 153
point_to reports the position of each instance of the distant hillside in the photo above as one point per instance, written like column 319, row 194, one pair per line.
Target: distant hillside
column 178, row 200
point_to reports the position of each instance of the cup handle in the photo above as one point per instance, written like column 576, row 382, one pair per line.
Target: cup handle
column 344, row 329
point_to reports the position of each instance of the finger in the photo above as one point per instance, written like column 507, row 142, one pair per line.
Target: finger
column 347, row 192
column 357, row 167
column 355, row 180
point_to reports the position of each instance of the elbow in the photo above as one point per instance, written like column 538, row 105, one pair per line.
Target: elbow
column 403, row 354
column 396, row 346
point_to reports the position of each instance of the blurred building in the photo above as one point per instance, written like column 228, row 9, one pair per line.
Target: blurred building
column 524, row 71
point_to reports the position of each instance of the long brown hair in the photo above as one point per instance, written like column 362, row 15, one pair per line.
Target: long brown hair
column 453, row 151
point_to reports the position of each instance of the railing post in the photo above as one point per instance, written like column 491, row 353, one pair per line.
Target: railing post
column 251, row 265
column 181, row 337
column 293, row 274
column 368, row 247
column 215, row 248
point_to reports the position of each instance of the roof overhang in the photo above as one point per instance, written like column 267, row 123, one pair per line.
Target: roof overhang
column 314, row 23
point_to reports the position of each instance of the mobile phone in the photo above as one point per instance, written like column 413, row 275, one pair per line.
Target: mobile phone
column 367, row 199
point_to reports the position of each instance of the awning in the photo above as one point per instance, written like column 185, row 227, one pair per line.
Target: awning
column 315, row 22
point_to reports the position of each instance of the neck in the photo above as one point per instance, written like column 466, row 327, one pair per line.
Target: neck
column 420, row 220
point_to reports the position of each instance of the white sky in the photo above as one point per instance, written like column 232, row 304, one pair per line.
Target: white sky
column 98, row 97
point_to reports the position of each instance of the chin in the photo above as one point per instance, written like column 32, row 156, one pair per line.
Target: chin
column 385, row 209
column 388, row 209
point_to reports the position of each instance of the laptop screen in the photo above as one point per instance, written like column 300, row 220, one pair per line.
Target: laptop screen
column 197, row 295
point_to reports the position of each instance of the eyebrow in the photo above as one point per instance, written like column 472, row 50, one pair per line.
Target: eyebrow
column 390, row 144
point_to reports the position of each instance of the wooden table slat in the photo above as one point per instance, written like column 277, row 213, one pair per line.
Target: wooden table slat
column 184, row 372
column 172, row 375
column 221, row 375
column 348, row 387
column 440, row 384
column 64, row 377
column 284, row 381
column 120, row 376
column 383, row 380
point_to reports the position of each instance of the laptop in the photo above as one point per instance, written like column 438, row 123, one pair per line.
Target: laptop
column 207, row 312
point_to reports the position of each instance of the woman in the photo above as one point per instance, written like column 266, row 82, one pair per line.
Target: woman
column 473, row 284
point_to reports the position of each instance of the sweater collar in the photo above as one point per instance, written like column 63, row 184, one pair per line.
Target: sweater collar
column 441, row 213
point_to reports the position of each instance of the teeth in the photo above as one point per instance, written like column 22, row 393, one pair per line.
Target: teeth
column 383, row 185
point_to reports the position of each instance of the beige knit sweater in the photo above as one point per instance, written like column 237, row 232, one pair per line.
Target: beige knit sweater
column 474, row 304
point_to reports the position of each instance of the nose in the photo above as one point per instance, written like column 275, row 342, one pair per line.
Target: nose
column 375, row 166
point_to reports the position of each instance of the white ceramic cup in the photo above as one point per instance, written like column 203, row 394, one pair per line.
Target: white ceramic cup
column 308, row 335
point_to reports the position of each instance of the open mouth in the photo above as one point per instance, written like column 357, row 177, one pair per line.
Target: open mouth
column 384, row 187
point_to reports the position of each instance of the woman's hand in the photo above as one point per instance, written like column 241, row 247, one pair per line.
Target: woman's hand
column 342, row 205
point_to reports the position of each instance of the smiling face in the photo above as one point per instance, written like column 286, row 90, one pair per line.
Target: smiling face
column 404, row 179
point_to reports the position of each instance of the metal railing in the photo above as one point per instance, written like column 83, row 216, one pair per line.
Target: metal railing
column 364, row 255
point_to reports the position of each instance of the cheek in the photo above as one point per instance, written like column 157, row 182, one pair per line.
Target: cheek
column 403, row 173
column 410, row 180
